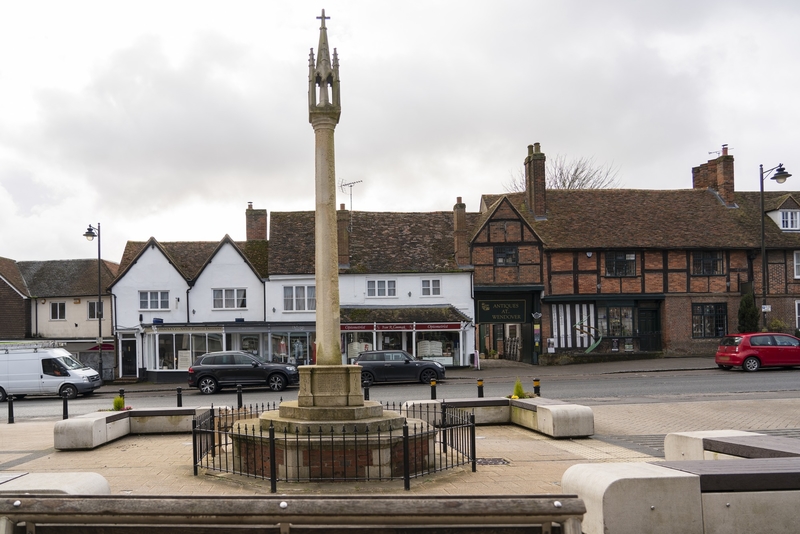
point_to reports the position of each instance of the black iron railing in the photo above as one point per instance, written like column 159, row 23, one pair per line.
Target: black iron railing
column 248, row 441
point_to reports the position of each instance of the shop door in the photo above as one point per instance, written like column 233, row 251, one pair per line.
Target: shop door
column 649, row 331
column 128, row 357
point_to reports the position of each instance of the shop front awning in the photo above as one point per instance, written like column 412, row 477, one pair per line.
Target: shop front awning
column 401, row 315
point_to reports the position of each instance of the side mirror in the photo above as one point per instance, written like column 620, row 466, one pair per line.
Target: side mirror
column 256, row 364
column 408, row 361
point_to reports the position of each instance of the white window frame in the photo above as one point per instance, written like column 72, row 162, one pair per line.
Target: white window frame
column 431, row 287
column 91, row 310
column 790, row 219
column 797, row 264
column 156, row 300
column 61, row 307
column 382, row 288
column 300, row 298
column 229, row 298
column 797, row 313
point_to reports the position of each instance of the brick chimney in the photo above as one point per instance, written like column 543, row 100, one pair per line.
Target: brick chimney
column 343, row 235
column 460, row 232
column 535, row 190
column 256, row 223
column 716, row 174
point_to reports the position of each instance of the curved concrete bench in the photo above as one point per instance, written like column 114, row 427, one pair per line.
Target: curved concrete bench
column 727, row 444
column 552, row 417
column 91, row 430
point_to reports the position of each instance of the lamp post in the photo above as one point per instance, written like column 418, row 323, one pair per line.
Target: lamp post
column 90, row 234
column 780, row 176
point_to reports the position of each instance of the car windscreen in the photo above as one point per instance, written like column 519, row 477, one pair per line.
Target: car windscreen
column 731, row 341
column 69, row 363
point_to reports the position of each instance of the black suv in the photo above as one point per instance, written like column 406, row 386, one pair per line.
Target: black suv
column 214, row 370
column 396, row 366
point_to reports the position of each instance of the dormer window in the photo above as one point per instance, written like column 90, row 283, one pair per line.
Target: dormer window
column 790, row 219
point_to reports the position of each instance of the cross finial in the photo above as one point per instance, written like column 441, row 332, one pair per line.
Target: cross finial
column 322, row 18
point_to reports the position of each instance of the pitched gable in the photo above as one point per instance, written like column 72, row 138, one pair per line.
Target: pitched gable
column 10, row 273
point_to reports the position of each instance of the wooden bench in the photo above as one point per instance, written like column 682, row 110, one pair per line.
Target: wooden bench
column 288, row 514
column 727, row 444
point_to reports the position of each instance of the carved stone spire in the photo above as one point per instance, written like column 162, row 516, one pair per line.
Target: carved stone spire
column 323, row 78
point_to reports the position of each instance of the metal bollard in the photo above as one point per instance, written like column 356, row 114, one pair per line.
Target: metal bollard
column 239, row 395
column 366, row 392
column 65, row 411
column 180, row 397
column 536, row 386
column 433, row 389
column 480, row 388
column 122, row 393
column 10, row 409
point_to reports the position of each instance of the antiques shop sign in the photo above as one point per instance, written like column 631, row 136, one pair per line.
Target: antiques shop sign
column 502, row 311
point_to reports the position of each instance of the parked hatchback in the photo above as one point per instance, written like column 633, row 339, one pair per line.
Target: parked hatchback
column 396, row 366
column 214, row 370
column 752, row 351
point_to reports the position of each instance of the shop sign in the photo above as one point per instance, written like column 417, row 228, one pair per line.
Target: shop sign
column 502, row 311
column 439, row 326
column 356, row 327
column 398, row 326
column 363, row 327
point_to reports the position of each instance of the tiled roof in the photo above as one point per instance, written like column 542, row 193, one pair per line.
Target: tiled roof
column 380, row 242
column 401, row 314
column 10, row 271
column 66, row 278
column 189, row 257
column 634, row 218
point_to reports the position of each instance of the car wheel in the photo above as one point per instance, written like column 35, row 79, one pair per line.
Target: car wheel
column 276, row 382
column 367, row 379
column 427, row 376
column 751, row 364
column 3, row 395
column 69, row 391
column 725, row 367
column 207, row 385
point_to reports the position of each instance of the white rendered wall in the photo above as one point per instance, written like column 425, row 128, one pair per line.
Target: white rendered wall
column 76, row 323
column 227, row 270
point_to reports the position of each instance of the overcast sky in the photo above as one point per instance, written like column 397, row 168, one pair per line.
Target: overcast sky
column 164, row 118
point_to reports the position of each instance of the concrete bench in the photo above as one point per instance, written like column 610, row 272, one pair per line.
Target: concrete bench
column 552, row 417
column 19, row 483
column 693, row 497
column 92, row 430
column 727, row 444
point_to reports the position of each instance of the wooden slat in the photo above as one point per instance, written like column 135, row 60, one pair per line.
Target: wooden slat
column 758, row 474
column 754, row 446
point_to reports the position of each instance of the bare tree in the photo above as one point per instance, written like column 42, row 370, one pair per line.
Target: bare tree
column 563, row 173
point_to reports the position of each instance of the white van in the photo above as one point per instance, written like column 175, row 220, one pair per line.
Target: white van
column 43, row 369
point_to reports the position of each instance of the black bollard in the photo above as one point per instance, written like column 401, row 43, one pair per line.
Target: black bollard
column 536, row 386
column 65, row 411
column 433, row 389
column 480, row 388
column 239, row 395
column 122, row 393
column 366, row 392
column 180, row 397
column 10, row 409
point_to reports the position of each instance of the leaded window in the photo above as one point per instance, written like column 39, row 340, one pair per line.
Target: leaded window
column 620, row 263
column 708, row 262
column 709, row 320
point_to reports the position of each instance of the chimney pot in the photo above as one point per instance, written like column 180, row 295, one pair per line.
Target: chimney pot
column 725, row 150
column 530, row 150
column 249, row 205
column 537, row 148
column 341, row 207
column 458, row 200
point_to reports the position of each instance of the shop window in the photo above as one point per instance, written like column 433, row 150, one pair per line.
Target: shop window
column 431, row 288
column 381, row 288
column 225, row 299
column 705, row 263
column 709, row 320
column 506, row 256
column 620, row 264
column 58, row 311
column 153, row 300
column 615, row 321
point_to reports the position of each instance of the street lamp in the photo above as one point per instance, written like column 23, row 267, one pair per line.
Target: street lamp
column 90, row 235
column 780, row 176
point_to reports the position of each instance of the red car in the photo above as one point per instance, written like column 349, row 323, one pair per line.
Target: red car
column 752, row 351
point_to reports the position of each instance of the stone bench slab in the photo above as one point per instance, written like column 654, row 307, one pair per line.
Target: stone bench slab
column 690, row 446
column 55, row 483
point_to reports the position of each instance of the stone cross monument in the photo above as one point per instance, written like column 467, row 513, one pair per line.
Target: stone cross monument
column 329, row 383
